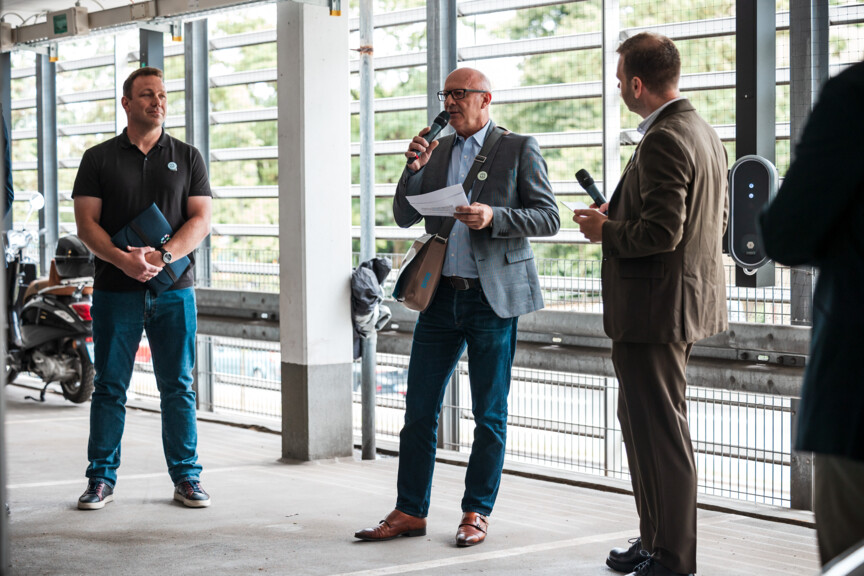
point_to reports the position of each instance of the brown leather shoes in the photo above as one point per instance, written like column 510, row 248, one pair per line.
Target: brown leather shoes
column 472, row 529
column 394, row 525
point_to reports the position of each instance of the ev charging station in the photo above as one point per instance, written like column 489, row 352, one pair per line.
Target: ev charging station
column 753, row 184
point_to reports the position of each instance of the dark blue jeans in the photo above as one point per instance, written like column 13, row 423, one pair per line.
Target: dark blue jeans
column 456, row 319
column 170, row 322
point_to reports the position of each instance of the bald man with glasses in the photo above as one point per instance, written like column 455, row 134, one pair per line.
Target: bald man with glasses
column 489, row 279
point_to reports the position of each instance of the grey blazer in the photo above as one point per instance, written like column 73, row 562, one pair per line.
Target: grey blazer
column 523, row 205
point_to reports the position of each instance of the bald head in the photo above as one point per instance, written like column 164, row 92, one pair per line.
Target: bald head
column 470, row 78
column 468, row 115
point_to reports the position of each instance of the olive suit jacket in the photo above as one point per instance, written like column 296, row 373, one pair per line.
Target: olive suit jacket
column 518, row 190
column 663, row 277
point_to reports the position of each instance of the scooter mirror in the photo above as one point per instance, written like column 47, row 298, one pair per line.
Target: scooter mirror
column 37, row 201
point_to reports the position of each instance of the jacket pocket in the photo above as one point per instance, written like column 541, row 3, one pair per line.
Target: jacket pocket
column 641, row 268
column 519, row 255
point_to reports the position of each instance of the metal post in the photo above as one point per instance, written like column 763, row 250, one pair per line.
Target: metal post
column 47, row 161
column 755, row 90
column 440, row 51
column 808, row 46
column 801, row 469
column 367, row 215
column 440, row 61
column 611, row 98
column 611, row 24
column 121, row 54
column 808, row 51
column 197, row 82
column 152, row 50
column 611, row 435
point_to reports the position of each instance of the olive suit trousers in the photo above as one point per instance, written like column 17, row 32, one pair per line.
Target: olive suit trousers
column 652, row 410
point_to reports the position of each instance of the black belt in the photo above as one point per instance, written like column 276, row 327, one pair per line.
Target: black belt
column 459, row 283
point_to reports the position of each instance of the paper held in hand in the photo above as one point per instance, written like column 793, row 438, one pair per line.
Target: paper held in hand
column 441, row 202
column 575, row 205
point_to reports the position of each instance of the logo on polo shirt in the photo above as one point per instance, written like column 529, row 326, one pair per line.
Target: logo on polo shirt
column 172, row 166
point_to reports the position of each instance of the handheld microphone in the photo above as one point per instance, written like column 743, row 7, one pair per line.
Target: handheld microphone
column 587, row 183
column 437, row 125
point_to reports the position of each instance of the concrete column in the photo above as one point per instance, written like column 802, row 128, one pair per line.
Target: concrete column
column 314, row 232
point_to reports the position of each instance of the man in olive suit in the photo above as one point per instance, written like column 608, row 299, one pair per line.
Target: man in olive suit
column 663, row 289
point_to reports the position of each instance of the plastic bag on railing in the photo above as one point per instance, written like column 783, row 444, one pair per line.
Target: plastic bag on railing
column 367, row 313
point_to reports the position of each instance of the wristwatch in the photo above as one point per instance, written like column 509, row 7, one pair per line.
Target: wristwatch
column 167, row 257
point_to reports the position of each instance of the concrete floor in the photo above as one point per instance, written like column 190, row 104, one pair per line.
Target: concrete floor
column 269, row 517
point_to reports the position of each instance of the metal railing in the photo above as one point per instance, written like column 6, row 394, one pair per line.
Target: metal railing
column 563, row 399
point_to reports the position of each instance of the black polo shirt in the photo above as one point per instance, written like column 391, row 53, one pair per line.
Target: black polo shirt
column 127, row 181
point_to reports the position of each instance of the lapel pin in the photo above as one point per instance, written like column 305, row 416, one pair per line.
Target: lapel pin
column 172, row 166
column 481, row 175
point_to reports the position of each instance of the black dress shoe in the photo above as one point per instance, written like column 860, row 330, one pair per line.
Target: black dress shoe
column 651, row 567
column 626, row 559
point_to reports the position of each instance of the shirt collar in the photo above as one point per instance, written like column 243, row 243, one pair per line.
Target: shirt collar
column 649, row 120
column 479, row 136
column 126, row 143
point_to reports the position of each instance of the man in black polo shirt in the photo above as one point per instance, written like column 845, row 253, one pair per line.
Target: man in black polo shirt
column 116, row 181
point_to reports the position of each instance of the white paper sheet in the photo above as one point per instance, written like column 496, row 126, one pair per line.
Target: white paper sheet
column 575, row 205
column 442, row 202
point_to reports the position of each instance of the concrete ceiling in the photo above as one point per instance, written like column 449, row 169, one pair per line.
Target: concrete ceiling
column 33, row 11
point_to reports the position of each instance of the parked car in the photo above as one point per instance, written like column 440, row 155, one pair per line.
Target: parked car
column 390, row 379
column 143, row 353
column 249, row 362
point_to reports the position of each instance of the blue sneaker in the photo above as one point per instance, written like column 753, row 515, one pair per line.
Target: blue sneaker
column 191, row 494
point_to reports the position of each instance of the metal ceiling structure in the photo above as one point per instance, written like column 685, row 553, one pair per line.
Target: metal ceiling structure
column 40, row 24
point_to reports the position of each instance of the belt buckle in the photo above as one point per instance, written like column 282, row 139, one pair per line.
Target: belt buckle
column 463, row 283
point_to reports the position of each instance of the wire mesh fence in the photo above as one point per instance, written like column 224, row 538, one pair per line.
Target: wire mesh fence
column 569, row 422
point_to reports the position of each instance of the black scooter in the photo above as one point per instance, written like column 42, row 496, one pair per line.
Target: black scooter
column 49, row 325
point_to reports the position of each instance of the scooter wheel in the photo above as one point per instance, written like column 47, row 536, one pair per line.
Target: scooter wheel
column 81, row 389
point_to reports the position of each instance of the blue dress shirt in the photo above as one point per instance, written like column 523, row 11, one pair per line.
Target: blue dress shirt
column 460, row 256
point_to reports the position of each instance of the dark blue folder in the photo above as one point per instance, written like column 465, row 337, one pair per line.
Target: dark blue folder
column 150, row 228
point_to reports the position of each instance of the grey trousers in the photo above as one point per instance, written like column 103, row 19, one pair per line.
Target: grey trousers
column 838, row 503
column 652, row 410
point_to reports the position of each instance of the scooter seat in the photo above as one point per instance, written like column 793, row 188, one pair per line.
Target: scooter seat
column 54, row 286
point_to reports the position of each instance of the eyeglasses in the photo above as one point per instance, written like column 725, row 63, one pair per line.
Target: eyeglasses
column 457, row 94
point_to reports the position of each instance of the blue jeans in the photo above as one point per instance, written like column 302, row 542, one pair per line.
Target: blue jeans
column 456, row 319
column 170, row 322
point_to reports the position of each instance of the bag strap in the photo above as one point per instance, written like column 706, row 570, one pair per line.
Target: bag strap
column 170, row 271
column 141, row 234
column 476, row 166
